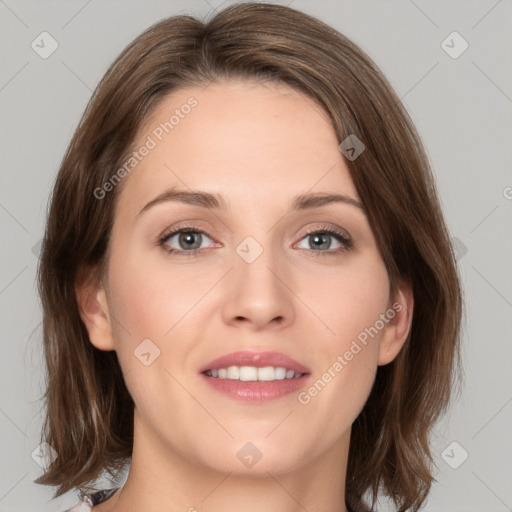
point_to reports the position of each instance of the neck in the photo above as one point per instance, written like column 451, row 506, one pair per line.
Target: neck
column 160, row 478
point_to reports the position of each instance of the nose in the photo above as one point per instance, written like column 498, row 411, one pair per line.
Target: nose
column 258, row 293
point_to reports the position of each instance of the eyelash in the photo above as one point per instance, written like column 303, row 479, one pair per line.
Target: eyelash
column 339, row 235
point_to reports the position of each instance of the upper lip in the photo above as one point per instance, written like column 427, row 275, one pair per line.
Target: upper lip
column 257, row 359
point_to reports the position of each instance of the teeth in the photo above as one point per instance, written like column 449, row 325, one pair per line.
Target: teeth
column 248, row 373
column 233, row 372
column 251, row 373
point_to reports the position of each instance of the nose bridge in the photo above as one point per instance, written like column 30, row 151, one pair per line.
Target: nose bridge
column 256, row 261
column 254, row 246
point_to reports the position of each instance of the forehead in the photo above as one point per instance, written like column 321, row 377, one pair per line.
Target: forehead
column 249, row 141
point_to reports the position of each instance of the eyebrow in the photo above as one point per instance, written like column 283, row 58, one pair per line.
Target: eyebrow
column 216, row 201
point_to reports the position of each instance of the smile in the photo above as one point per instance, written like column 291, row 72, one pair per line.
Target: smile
column 255, row 377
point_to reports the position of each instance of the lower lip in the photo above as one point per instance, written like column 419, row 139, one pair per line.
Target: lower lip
column 255, row 391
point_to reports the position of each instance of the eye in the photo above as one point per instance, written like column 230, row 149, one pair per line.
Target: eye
column 189, row 240
column 321, row 238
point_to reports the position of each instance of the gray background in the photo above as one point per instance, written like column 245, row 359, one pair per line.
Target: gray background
column 462, row 108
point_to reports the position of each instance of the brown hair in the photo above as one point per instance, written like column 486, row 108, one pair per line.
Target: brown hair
column 88, row 408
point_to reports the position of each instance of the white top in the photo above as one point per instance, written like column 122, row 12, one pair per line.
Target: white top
column 87, row 501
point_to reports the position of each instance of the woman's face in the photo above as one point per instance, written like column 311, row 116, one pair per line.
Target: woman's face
column 247, row 277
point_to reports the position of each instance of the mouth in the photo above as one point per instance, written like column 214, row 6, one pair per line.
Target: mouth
column 255, row 376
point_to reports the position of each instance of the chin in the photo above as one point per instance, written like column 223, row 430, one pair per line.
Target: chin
column 256, row 457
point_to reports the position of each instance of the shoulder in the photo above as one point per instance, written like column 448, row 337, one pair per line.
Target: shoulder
column 87, row 501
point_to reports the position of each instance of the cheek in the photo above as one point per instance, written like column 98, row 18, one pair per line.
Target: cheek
column 151, row 298
column 347, row 300
column 349, row 305
column 151, row 307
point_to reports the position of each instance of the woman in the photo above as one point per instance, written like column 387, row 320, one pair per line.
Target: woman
column 248, row 287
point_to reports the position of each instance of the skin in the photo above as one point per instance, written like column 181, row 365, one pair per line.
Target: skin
column 258, row 145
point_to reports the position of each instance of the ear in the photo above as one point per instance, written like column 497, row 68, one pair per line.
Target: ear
column 396, row 331
column 93, row 309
